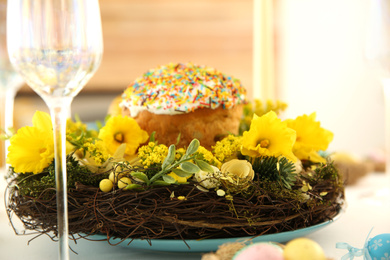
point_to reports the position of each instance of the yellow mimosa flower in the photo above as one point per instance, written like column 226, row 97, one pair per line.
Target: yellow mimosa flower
column 227, row 148
column 32, row 148
column 208, row 156
column 311, row 138
column 268, row 136
column 96, row 153
column 122, row 129
column 152, row 154
column 75, row 127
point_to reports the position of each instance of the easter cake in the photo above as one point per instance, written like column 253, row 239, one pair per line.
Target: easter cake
column 188, row 100
column 124, row 182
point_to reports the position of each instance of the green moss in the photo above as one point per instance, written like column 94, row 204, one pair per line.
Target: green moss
column 278, row 192
column 327, row 172
column 33, row 185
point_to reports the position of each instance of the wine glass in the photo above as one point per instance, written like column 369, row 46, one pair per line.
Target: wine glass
column 10, row 81
column 56, row 46
column 377, row 54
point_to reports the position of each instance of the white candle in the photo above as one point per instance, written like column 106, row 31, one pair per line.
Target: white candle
column 263, row 50
column 256, row 85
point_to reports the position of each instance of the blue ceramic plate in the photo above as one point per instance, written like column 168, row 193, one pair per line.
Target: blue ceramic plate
column 207, row 245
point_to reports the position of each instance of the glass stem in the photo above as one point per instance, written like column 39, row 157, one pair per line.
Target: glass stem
column 59, row 110
column 3, row 152
column 8, row 115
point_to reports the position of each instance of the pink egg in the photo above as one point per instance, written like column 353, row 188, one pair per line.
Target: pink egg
column 260, row 251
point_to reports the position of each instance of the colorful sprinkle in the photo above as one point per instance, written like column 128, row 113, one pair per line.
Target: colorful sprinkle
column 181, row 88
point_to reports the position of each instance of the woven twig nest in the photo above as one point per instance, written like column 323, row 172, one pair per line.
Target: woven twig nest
column 175, row 211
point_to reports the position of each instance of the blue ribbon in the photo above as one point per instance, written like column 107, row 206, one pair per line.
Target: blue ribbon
column 352, row 251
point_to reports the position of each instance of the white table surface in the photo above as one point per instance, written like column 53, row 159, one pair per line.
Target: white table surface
column 365, row 210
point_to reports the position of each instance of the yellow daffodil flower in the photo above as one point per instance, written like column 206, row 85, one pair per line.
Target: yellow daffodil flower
column 119, row 130
column 268, row 136
column 32, row 147
column 311, row 138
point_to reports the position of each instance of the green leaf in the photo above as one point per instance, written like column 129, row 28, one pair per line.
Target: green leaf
column 99, row 124
column 160, row 183
column 178, row 138
column 182, row 173
column 204, row 166
column 133, row 187
column 168, row 179
column 140, row 175
column 193, row 147
column 189, row 167
column 170, row 157
column 152, row 137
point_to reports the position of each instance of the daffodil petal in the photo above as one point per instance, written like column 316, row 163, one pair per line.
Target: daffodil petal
column 128, row 129
column 279, row 138
column 42, row 121
column 311, row 137
column 30, row 150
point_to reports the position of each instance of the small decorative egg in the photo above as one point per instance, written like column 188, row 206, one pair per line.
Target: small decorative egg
column 379, row 247
column 260, row 251
column 123, row 182
column 115, row 176
column 106, row 185
column 303, row 249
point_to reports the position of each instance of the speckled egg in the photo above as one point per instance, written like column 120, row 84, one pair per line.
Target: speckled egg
column 260, row 251
column 303, row 249
column 379, row 247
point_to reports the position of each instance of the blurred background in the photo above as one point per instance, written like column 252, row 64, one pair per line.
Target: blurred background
column 307, row 53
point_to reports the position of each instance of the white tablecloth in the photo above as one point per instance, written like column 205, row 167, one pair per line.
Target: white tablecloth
column 366, row 209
